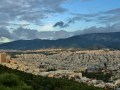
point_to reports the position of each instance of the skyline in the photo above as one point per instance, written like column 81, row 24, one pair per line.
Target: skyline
column 34, row 16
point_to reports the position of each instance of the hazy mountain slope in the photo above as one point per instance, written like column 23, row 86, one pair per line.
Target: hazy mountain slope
column 91, row 41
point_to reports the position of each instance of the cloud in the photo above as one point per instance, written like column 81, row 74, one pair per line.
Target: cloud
column 113, row 11
column 78, row 17
column 111, row 16
column 108, row 28
column 61, row 24
column 27, row 34
column 4, row 32
column 47, row 27
column 83, row 17
column 22, row 33
column 21, row 25
column 29, row 10
column 61, row 34
column 107, row 17
column 4, row 40
column 5, row 35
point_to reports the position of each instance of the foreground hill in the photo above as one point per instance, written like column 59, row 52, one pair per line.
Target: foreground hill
column 87, row 41
column 18, row 80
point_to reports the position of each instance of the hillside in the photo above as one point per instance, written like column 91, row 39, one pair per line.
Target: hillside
column 17, row 80
column 87, row 41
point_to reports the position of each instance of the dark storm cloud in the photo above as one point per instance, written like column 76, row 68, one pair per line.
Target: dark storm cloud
column 29, row 10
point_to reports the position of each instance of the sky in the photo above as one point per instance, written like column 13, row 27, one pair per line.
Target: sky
column 30, row 19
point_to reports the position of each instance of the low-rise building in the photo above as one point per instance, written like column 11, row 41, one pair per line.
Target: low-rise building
column 3, row 57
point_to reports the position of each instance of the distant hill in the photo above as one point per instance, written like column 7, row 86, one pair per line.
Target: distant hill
column 87, row 41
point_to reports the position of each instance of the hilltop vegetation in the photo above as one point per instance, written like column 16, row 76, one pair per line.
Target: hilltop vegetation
column 18, row 80
column 12, row 82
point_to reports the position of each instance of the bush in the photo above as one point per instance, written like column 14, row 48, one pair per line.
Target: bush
column 10, row 81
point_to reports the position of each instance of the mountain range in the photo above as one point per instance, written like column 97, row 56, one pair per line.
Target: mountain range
column 87, row 41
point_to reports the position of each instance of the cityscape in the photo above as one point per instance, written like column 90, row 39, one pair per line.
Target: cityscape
column 59, row 44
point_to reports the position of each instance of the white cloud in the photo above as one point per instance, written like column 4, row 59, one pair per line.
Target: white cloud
column 47, row 27
column 4, row 40
column 31, row 11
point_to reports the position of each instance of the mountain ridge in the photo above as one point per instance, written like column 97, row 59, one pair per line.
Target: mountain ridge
column 86, row 41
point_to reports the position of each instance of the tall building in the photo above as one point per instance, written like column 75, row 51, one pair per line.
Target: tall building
column 3, row 58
